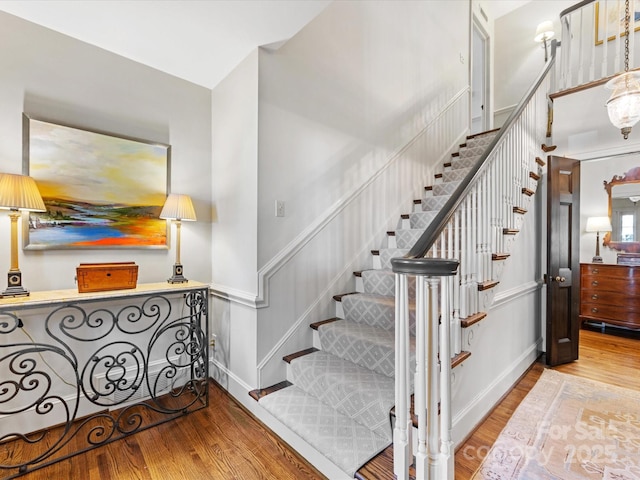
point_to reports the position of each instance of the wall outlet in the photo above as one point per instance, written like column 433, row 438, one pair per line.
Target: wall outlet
column 279, row 208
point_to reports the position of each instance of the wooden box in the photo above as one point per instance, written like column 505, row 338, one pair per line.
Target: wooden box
column 100, row 277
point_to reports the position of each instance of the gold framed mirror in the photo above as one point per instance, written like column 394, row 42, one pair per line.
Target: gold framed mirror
column 624, row 212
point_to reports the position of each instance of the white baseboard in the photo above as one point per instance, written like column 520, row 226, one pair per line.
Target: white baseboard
column 466, row 420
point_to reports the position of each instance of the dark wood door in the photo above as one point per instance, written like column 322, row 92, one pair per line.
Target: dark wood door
column 563, row 260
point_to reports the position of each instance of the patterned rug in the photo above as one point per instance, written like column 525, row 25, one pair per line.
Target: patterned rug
column 569, row 428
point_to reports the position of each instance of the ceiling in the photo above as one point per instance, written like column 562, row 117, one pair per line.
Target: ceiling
column 197, row 40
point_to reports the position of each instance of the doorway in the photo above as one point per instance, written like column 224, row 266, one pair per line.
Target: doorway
column 480, row 80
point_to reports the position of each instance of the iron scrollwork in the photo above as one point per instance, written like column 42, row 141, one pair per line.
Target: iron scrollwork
column 96, row 374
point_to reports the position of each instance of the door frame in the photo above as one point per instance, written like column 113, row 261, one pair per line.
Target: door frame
column 480, row 76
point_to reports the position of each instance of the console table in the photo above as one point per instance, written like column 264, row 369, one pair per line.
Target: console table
column 80, row 370
column 610, row 293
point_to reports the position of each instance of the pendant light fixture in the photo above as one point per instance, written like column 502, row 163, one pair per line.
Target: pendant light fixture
column 624, row 104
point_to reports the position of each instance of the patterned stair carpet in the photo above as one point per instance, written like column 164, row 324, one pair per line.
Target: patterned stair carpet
column 341, row 396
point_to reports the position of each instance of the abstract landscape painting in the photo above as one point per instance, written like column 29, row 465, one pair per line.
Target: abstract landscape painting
column 100, row 190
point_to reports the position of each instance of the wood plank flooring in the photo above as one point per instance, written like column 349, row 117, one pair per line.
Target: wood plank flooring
column 220, row 442
column 224, row 441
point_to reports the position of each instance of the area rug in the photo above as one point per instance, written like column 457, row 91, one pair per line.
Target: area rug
column 568, row 428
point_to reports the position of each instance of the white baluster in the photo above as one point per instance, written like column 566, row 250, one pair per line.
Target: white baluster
column 446, row 444
column 402, row 451
column 433, row 381
column 420, row 389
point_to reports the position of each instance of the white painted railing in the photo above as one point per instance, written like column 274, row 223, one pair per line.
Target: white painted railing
column 452, row 261
column 592, row 42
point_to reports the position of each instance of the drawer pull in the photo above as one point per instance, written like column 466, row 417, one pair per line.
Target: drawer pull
column 594, row 283
column 594, row 310
column 594, row 297
column 595, row 270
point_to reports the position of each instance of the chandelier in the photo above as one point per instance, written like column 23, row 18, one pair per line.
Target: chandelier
column 624, row 104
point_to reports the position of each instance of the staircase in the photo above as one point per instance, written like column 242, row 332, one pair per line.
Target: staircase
column 339, row 395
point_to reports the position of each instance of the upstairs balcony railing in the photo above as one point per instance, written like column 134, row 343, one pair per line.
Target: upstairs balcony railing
column 593, row 42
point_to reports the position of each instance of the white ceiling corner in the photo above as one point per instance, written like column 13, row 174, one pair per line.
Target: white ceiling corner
column 197, row 40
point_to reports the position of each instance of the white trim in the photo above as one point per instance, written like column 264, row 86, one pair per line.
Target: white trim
column 505, row 110
column 233, row 295
column 467, row 419
column 507, row 296
column 213, row 363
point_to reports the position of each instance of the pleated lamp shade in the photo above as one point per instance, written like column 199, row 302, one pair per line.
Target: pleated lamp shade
column 178, row 207
column 20, row 192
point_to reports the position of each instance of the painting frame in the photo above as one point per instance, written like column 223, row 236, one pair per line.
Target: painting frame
column 600, row 24
column 102, row 190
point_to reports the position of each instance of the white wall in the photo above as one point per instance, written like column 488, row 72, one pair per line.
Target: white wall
column 50, row 75
column 335, row 105
column 345, row 93
column 518, row 59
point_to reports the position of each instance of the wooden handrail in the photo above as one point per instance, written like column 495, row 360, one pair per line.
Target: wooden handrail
column 442, row 218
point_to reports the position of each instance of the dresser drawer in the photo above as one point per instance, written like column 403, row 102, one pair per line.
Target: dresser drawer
column 611, row 314
column 595, row 283
column 603, row 297
column 610, row 294
column 614, row 271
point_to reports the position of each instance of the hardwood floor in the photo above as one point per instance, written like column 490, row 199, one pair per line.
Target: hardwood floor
column 225, row 442
column 220, row 442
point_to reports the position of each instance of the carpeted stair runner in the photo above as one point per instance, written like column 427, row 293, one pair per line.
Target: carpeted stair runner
column 341, row 395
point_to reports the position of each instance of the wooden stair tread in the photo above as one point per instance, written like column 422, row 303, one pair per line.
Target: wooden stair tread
column 405, row 216
column 510, row 231
column 487, row 285
column 438, row 175
column 417, row 202
column 446, row 164
column 391, row 234
column 540, row 162
column 316, row 325
column 261, row 392
column 472, row 319
column 534, row 176
column 469, row 137
column 528, row 192
column 519, row 210
column 338, row 298
column 548, row 148
column 459, row 358
column 500, row 256
column 301, row 353
column 428, row 188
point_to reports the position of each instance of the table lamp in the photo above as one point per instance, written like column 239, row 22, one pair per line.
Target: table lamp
column 18, row 193
column 598, row 224
column 178, row 208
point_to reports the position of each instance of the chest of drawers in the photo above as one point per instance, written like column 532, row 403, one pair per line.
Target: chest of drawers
column 610, row 294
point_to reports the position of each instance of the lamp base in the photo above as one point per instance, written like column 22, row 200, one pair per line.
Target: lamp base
column 15, row 288
column 177, row 274
column 596, row 259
